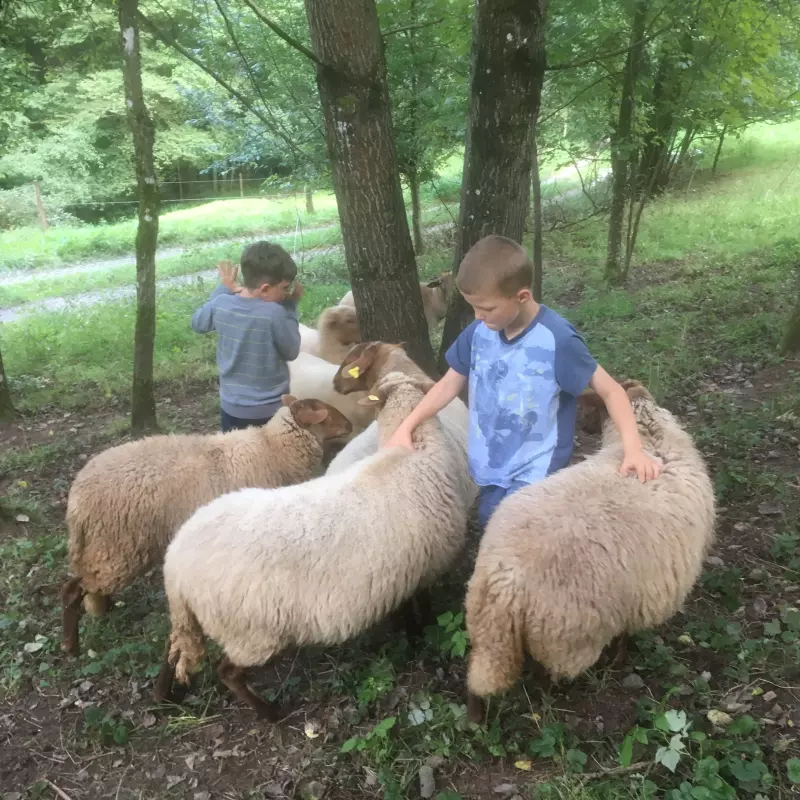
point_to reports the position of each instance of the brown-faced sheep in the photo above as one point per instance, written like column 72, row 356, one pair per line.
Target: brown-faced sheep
column 126, row 504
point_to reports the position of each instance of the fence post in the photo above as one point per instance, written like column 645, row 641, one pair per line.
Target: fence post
column 241, row 185
column 40, row 205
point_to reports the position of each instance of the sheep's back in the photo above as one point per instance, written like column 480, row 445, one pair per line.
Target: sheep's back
column 318, row 562
column 589, row 542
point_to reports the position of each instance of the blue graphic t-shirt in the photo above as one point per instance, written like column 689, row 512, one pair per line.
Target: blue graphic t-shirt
column 522, row 397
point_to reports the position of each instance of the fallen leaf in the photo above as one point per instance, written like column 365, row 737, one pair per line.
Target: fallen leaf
column 22, row 518
column 524, row 765
column 770, row 509
column 719, row 718
column 427, row 785
column 149, row 720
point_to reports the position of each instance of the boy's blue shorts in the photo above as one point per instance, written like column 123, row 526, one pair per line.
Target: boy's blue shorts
column 490, row 497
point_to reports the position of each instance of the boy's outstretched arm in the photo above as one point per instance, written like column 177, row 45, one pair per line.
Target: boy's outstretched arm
column 619, row 409
column 447, row 389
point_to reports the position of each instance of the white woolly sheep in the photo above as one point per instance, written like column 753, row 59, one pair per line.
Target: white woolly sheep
column 435, row 297
column 374, row 360
column 309, row 340
column 569, row 564
column 310, row 376
column 127, row 502
column 316, row 563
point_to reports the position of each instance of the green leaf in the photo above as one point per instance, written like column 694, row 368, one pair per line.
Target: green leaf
column 676, row 720
column 747, row 772
column 742, row 726
column 793, row 769
column 626, row 751
column 772, row 628
column 669, row 758
column 349, row 745
column 576, row 759
column 384, row 726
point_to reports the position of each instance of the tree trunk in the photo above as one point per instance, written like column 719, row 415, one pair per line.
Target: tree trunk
column 354, row 94
column 309, row 199
column 791, row 339
column 416, row 212
column 622, row 146
column 536, row 189
column 508, row 63
column 719, row 150
column 143, row 404
column 7, row 410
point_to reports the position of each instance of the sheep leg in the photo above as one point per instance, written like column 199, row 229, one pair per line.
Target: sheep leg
column 71, row 597
column 234, row 678
column 476, row 708
column 618, row 651
column 411, row 624
column 425, row 607
column 163, row 688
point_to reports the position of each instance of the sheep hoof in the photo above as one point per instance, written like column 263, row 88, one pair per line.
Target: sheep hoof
column 71, row 647
column 476, row 708
column 270, row 712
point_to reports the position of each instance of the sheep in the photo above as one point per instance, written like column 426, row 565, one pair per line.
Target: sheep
column 310, row 376
column 435, row 297
column 309, row 340
column 316, row 563
column 336, row 332
column 127, row 502
column 374, row 360
column 585, row 556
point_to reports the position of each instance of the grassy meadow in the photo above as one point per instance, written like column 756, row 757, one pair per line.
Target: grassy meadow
column 707, row 707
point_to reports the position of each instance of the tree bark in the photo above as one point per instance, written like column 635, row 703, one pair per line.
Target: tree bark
column 622, row 146
column 354, row 94
column 719, row 150
column 791, row 339
column 309, row 199
column 536, row 189
column 416, row 212
column 143, row 404
column 508, row 64
column 7, row 410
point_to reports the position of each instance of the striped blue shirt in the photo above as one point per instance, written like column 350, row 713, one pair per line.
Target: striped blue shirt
column 255, row 339
column 522, row 397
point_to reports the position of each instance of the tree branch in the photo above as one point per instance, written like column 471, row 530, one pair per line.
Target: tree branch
column 413, row 27
column 598, row 56
column 170, row 42
column 291, row 41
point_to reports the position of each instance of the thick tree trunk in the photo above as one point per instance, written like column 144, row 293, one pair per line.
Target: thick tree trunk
column 7, row 410
column 143, row 404
column 536, row 189
column 719, row 150
column 309, row 199
column 354, row 94
column 508, row 63
column 791, row 339
column 416, row 212
column 622, row 145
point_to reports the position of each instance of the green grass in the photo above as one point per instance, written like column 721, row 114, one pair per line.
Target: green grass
column 198, row 259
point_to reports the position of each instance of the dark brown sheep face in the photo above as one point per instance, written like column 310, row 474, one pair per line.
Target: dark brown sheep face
column 592, row 411
column 358, row 370
column 325, row 421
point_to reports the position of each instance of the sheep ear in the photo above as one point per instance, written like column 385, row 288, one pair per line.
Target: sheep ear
column 434, row 283
column 370, row 400
column 288, row 399
column 310, row 416
column 591, row 411
column 425, row 386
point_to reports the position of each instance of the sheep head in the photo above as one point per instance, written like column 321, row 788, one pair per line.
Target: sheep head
column 342, row 322
column 442, row 286
column 592, row 411
column 362, row 366
column 390, row 383
column 321, row 419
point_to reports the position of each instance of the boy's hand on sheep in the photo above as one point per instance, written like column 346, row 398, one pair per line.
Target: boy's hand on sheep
column 227, row 276
column 400, row 438
column 640, row 464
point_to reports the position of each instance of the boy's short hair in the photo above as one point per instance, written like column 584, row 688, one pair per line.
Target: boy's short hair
column 264, row 262
column 495, row 265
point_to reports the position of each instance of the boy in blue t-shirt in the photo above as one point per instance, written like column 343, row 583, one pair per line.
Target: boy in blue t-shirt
column 526, row 366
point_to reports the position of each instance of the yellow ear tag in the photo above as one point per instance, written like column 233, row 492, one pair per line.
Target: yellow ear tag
column 373, row 397
column 354, row 371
